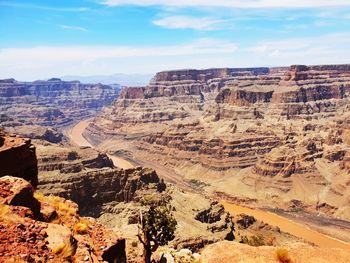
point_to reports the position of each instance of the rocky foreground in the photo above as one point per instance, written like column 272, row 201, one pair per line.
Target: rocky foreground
column 37, row 228
column 279, row 136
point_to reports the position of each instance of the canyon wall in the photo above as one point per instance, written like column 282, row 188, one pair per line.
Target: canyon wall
column 51, row 103
column 277, row 122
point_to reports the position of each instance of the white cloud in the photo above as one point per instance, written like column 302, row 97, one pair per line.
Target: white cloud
column 232, row 3
column 40, row 62
column 326, row 49
column 187, row 22
column 44, row 62
column 42, row 7
column 76, row 28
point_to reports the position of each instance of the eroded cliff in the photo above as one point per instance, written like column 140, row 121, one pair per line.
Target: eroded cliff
column 267, row 131
column 51, row 103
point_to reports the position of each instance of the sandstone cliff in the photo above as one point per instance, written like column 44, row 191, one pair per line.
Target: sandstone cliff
column 273, row 129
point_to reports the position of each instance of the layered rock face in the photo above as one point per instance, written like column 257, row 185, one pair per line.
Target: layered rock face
column 277, row 122
column 116, row 196
column 92, row 189
column 18, row 158
column 51, row 225
column 54, row 158
column 51, row 103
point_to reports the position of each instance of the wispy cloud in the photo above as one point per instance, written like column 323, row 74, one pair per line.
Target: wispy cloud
column 42, row 7
column 76, row 28
column 325, row 49
column 200, row 46
column 188, row 22
column 232, row 3
column 45, row 61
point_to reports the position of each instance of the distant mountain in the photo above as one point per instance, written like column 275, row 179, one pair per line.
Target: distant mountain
column 122, row 79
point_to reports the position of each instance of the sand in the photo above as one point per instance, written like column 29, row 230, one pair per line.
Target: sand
column 75, row 134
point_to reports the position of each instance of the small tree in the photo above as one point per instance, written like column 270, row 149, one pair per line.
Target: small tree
column 157, row 227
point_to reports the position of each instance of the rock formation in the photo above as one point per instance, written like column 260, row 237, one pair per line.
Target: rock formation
column 116, row 196
column 36, row 228
column 279, row 127
column 18, row 158
column 51, row 103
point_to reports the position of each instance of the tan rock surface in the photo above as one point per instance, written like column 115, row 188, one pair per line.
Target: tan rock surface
column 223, row 252
column 275, row 135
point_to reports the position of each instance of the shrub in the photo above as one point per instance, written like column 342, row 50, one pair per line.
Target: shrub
column 255, row 241
column 282, row 255
column 7, row 216
column 82, row 227
column 64, row 251
column 157, row 226
column 65, row 212
column 197, row 183
column 73, row 155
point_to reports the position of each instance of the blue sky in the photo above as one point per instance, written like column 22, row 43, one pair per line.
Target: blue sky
column 41, row 39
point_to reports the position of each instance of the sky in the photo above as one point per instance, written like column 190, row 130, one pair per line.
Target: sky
column 40, row 39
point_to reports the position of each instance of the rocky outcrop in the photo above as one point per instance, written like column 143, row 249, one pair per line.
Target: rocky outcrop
column 117, row 196
column 206, row 74
column 28, row 234
column 18, row 158
column 242, row 97
column 53, row 158
column 226, row 251
column 52, row 103
column 291, row 159
column 92, row 189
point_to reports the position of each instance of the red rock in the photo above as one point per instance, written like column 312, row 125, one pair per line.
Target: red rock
column 18, row 158
column 18, row 192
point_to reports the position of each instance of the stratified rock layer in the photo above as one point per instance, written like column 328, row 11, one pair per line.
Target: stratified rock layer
column 279, row 127
column 52, row 102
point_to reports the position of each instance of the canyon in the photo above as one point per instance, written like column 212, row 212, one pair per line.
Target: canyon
column 30, row 108
column 260, row 137
column 277, row 135
column 256, row 154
